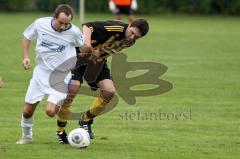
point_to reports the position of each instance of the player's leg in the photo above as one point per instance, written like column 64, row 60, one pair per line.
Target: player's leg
column 63, row 114
column 129, row 12
column 55, row 100
column 65, row 108
column 73, row 90
column 32, row 98
column 64, row 111
column 27, row 123
column 107, row 91
column 118, row 12
column 52, row 109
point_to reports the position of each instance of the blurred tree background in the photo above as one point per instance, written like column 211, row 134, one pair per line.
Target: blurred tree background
column 225, row 7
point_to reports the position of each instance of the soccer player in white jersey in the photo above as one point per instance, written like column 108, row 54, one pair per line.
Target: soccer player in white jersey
column 56, row 42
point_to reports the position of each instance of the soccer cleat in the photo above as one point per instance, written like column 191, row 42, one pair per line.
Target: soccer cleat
column 62, row 137
column 87, row 126
column 23, row 141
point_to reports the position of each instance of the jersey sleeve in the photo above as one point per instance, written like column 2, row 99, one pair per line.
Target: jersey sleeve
column 79, row 39
column 31, row 32
column 96, row 27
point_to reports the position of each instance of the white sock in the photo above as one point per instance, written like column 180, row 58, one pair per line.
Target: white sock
column 27, row 127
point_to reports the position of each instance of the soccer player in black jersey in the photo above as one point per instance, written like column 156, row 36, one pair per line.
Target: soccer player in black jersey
column 103, row 38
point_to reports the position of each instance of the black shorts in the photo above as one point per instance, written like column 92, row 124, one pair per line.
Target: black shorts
column 80, row 72
column 124, row 10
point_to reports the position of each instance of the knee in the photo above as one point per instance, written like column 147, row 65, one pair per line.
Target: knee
column 50, row 113
column 27, row 114
column 28, row 111
column 73, row 89
column 108, row 94
column 51, row 109
column 111, row 92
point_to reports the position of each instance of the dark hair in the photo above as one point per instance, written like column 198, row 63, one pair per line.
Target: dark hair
column 65, row 8
column 142, row 25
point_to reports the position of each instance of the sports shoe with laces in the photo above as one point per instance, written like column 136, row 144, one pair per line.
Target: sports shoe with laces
column 62, row 137
column 87, row 126
column 24, row 140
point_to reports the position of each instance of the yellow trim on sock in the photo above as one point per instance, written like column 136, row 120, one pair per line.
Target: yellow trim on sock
column 98, row 106
column 85, row 118
column 65, row 110
column 59, row 128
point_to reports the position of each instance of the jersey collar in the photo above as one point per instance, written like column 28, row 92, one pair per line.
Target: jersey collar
column 69, row 27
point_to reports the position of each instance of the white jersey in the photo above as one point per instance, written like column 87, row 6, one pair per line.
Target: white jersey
column 53, row 48
column 55, row 57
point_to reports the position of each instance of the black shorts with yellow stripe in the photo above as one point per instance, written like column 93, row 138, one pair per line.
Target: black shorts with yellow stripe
column 80, row 72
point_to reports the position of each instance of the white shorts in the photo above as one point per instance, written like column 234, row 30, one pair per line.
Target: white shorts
column 39, row 87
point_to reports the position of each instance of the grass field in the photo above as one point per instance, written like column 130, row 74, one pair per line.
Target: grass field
column 202, row 55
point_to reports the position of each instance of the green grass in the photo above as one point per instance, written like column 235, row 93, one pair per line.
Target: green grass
column 202, row 56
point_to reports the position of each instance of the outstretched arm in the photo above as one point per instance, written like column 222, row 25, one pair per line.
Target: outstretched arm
column 26, row 61
column 87, row 33
column 87, row 47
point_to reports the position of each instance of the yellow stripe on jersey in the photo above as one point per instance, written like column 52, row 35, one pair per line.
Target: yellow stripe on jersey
column 91, row 28
column 114, row 28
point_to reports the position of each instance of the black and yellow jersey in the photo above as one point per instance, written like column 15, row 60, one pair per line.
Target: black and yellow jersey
column 108, row 37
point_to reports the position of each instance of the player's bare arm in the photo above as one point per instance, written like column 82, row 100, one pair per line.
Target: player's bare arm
column 87, row 48
column 26, row 61
column 87, row 33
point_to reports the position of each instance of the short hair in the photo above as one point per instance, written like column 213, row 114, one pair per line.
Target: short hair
column 142, row 25
column 63, row 8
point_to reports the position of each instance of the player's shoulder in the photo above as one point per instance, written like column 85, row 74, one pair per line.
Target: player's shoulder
column 118, row 22
column 75, row 29
column 43, row 21
column 115, row 26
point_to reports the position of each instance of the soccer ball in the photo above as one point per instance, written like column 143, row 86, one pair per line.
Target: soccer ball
column 79, row 138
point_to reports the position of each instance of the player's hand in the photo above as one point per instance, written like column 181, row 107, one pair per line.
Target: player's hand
column 86, row 49
column 26, row 63
column 81, row 54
